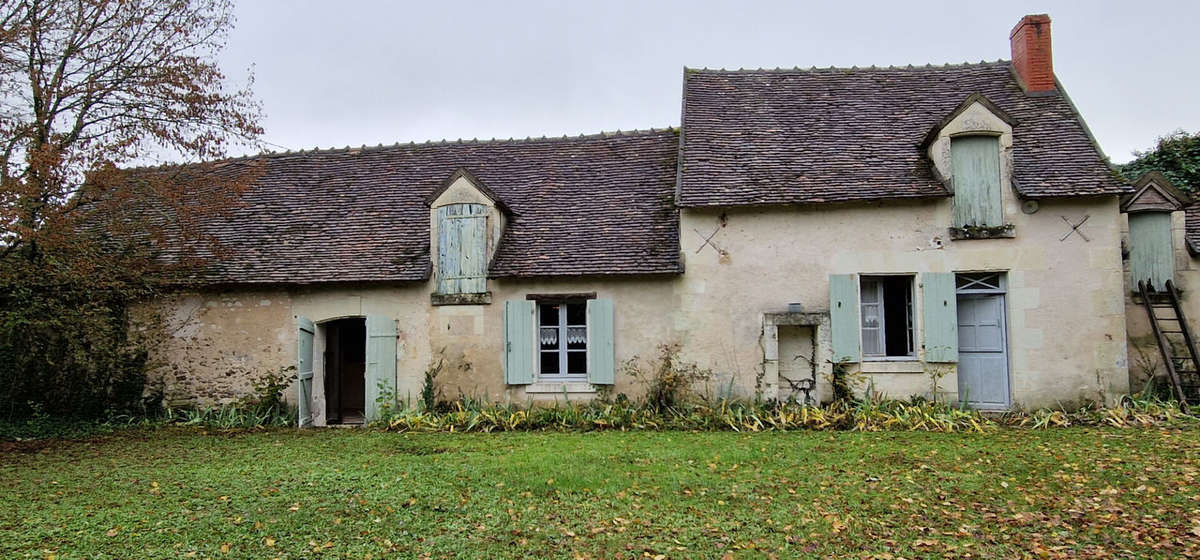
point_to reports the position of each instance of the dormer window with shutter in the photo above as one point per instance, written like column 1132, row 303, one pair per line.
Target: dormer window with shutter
column 466, row 221
column 1152, row 211
column 971, row 154
column 975, row 160
column 462, row 249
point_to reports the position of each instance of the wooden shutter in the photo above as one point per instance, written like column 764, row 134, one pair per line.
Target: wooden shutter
column 473, row 239
column 940, row 316
column 975, row 162
column 304, row 370
column 1151, row 253
column 462, row 249
column 380, row 374
column 601, row 337
column 448, row 271
column 843, row 317
column 519, row 338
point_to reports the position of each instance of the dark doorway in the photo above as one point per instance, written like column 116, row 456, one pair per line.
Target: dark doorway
column 345, row 364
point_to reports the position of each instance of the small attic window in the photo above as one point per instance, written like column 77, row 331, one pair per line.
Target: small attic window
column 975, row 165
column 1151, row 252
column 462, row 249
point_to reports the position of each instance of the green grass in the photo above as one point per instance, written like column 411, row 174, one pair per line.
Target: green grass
column 178, row 492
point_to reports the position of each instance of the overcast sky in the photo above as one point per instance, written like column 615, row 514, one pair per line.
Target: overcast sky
column 357, row 72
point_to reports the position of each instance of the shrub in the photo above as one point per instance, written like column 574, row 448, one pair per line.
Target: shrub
column 266, row 397
column 669, row 381
column 66, row 348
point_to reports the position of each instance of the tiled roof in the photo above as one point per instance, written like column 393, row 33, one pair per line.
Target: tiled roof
column 600, row 204
column 807, row 136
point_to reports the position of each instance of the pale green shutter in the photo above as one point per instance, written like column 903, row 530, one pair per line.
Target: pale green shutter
column 601, row 353
column 843, row 317
column 519, row 336
column 940, row 316
column 380, row 375
column 1151, row 255
column 473, row 240
column 304, row 370
column 975, row 162
column 448, row 251
column 462, row 249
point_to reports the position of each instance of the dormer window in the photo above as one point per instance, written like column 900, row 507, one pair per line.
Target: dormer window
column 466, row 224
column 971, row 151
column 1151, row 245
column 462, row 249
column 975, row 164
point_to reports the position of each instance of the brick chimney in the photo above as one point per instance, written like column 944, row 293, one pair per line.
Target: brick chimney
column 1031, row 56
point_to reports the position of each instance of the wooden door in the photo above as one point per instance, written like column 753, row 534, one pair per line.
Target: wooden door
column 982, row 351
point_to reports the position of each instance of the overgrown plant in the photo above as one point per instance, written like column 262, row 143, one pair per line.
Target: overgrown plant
column 936, row 372
column 668, row 380
column 429, row 393
column 387, row 407
column 266, row 395
column 844, row 381
column 864, row 415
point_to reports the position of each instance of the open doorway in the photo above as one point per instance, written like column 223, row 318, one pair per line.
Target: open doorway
column 345, row 365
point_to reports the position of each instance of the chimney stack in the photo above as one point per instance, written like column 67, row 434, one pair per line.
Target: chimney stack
column 1031, row 56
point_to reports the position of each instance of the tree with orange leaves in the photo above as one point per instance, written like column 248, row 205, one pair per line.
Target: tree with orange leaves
column 89, row 88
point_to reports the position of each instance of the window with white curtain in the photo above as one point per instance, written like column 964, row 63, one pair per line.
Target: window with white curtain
column 886, row 305
column 562, row 341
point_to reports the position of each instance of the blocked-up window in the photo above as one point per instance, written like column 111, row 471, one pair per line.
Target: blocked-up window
column 563, row 340
column 975, row 162
column 462, row 249
column 886, row 306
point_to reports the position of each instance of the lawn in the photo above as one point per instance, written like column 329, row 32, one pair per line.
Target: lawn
column 176, row 492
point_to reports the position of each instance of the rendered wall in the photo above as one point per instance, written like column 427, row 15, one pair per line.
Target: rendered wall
column 1065, row 309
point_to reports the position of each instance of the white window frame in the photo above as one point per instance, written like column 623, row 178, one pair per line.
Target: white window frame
column 876, row 281
column 563, row 329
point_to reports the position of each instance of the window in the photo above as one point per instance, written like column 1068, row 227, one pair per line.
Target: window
column 462, row 249
column 979, row 283
column 887, row 316
column 975, row 162
column 1151, row 253
column 562, row 341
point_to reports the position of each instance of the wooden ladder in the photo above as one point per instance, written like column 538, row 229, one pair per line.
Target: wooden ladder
column 1183, row 371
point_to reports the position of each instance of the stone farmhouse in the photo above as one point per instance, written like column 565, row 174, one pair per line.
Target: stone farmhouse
column 955, row 222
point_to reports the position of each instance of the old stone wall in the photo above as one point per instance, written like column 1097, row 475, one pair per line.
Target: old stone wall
column 216, row 343
column 1065, row 310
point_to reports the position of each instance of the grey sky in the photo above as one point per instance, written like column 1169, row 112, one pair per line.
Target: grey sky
column 351, row 73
